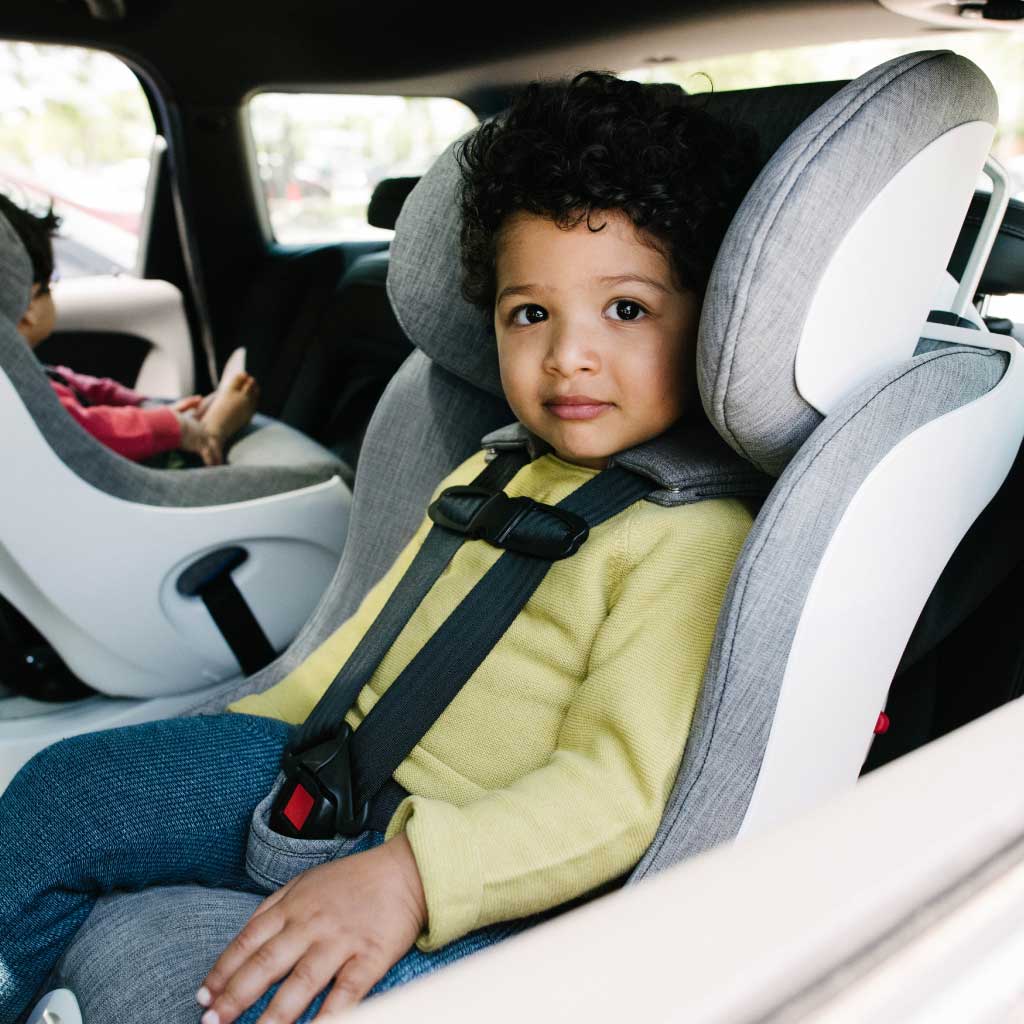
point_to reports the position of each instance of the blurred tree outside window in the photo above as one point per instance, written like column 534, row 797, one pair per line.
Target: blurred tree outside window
column 75, row 129
column 999, row 54
column 320, row 155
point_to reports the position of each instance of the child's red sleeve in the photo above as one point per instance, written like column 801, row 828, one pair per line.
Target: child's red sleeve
column 100, row 390
column 132, row 432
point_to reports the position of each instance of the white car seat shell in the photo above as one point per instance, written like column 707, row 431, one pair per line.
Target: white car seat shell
column 93, row 546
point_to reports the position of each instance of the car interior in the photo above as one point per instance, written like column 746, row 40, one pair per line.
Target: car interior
column 867, row 376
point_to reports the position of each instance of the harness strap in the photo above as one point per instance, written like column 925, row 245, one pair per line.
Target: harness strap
column 344, row 783
column 439, row 670
column 437, row 551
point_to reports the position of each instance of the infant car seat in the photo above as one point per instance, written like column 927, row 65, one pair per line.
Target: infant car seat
column 807, row 365
column 148, row 584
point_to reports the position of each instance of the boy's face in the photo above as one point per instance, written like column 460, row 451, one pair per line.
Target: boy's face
column 594, row 334
column 38, row 321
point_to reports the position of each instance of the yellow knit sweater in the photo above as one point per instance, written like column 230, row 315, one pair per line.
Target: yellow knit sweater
column 548, row 773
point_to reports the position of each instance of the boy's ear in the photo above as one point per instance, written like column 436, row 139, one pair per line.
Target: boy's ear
column 30, row 318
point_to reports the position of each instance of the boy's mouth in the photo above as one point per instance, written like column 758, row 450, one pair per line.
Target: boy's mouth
column 576, row 407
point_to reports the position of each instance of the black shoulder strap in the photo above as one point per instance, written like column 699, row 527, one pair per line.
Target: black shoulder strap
column 439, row 670
column 334, row 772
column 436, row 552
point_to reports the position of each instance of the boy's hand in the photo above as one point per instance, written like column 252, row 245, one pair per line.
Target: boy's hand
column 196, row 438
column 348, row 921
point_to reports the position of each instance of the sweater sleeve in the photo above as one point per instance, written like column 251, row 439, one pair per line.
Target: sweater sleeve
column 129, row 431
column 100, row 390
column 587, row 815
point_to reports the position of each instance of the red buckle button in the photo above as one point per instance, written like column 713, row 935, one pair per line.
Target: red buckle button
column 881, row 726
column 300, row 803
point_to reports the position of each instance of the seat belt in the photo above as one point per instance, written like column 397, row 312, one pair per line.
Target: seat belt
column 339, row 780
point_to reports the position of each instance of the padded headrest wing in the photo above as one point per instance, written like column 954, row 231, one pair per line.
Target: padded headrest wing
column 834, row 258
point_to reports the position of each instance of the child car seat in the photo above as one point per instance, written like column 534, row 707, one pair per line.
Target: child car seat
column 147, row 583
column 818, row 299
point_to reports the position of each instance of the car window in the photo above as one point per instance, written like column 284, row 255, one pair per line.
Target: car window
column 999, row 54
column 76, row 130
column 319, row 156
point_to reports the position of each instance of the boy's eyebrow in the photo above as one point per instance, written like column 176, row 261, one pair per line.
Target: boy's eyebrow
column 623, row 278
column 512, row 289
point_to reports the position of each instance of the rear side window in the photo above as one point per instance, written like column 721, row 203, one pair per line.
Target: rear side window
column 76, row 130
column 319, row 156
column 999, row 54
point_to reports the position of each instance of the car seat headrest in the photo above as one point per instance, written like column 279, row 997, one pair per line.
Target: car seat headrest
column 424, row 275
column 835, row 257
column 386, row 201
column 785, row 253
column 15, row 274
column 1004, row 271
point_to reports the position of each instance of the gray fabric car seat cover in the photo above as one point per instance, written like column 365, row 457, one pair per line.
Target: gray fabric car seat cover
column 766, row 595
column 93, row 461
column 774, row 253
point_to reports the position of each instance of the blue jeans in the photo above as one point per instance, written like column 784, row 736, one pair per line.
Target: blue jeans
column 161, row 803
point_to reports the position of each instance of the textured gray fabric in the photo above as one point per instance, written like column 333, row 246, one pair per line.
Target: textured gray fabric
column 424, row 275
column 15, row 274
column 126, row 943
column 795, row 215
column 770, row 583
column 426, row 423
column 121, row 478
column 273, row 860
column 690, row 461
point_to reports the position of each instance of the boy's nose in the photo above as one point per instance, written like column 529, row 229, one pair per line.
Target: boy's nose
column 571, row 351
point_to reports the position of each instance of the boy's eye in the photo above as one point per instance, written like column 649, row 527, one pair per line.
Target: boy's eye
column 529, row 314
column 626, row 309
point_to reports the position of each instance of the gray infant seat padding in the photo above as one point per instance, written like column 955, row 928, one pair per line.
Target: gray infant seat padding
column 91, row 459
column 445, row 398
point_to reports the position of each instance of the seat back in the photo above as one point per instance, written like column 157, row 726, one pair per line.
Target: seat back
column 826, row 236
column 358, row 347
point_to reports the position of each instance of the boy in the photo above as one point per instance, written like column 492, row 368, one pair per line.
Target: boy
column 111, row 412
column 591, row 215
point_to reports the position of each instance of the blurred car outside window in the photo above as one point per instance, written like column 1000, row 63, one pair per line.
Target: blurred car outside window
column 76, row 130
column 999, row 54
column 320, row 155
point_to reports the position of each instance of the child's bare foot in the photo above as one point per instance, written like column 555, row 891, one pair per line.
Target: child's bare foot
column 231, row 406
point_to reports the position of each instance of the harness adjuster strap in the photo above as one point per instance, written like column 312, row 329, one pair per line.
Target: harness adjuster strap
column 317, row 799
column 516, row 524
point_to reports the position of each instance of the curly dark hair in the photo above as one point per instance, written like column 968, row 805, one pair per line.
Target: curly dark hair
column 565, row 149
column 35, row 232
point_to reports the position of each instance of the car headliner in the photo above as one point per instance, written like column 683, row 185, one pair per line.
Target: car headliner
column 204, row 53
